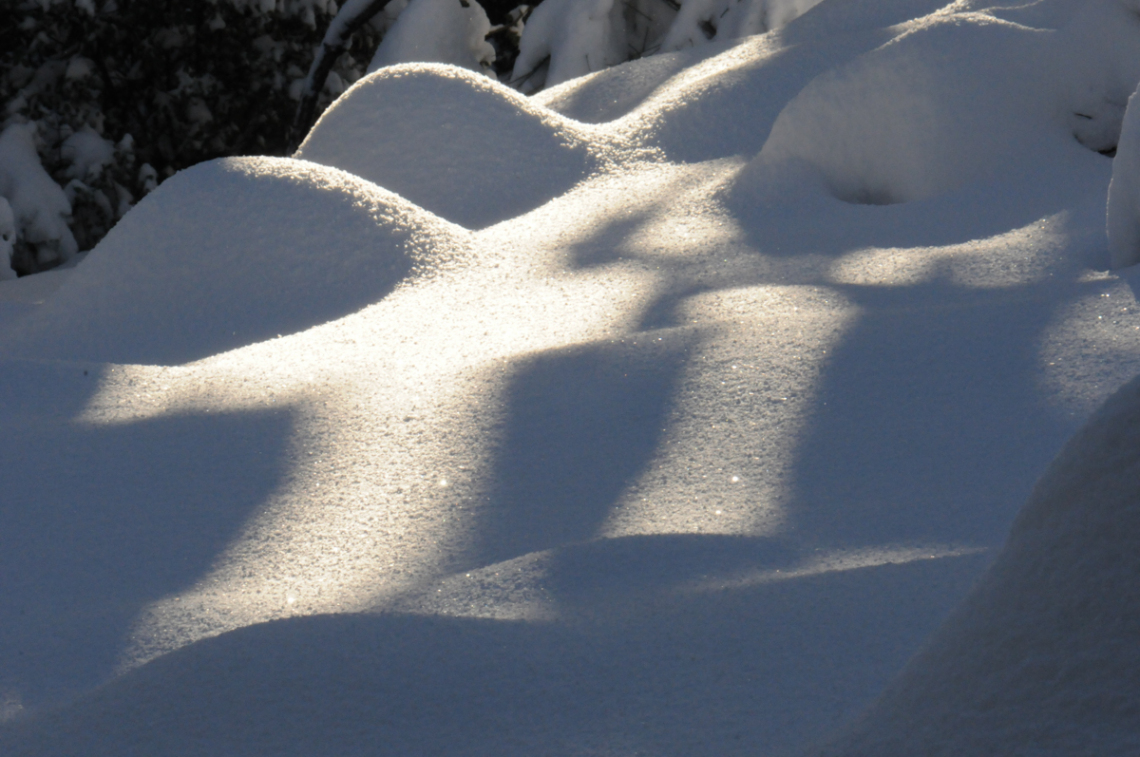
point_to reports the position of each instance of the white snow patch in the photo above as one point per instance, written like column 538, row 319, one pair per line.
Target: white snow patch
column 88, row 153
column 955, row 99
column 1015, row 258
column 565, row 39
column 461, row 145
column 437, row 31
column 656, row 462
column 41, row 207
column 258, row 247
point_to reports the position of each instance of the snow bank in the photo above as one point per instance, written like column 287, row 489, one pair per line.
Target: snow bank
column 1124, row 192
column 458, row 144
column 232, row 252
column 437, row 31
column 676, row 102
column 960, row 97
column 1042, row 658
column 957, row 98
column 659, row 467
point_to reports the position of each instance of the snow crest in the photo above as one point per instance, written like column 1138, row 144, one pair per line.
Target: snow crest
column 456, row 143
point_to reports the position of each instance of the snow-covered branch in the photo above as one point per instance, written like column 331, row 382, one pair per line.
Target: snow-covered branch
column 353, row 15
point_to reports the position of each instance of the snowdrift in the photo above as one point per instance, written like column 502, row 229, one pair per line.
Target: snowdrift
column 478, row 428
column 1041, row 658
column 254, row 248
column 452, row 141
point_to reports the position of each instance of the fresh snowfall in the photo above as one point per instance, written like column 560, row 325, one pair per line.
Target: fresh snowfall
column 769, row 395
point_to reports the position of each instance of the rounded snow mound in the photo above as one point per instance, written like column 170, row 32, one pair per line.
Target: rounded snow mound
column 453, row 141
column 1044, row 655
column 955, row 99
column 233, row 252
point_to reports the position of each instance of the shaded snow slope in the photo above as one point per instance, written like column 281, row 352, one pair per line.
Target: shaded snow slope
column 680, row 451
column 455, row 142
column 1042, row 657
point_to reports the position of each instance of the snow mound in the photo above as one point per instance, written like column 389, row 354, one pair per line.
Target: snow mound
column 958, row 98
column 457, row 143
column 1124, row 192
column 1043, row 657
column 675, row 102
column 232, row 252
column 961, row 96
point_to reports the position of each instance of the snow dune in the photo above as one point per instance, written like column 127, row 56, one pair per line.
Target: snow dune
column 454, row 142
column 679, row 427
column 234, row 252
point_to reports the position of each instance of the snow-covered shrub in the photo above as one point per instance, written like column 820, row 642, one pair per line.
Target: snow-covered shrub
column 438, row 31
column 1100, row 54
column 700, row 21
column 39, row 207
column 568, row 38
column 7, row 239
column 119, row 94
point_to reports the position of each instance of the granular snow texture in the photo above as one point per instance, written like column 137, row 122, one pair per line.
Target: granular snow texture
column 670, row 412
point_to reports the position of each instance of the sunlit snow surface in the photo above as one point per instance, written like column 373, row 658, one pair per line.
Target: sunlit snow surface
column 598, row 423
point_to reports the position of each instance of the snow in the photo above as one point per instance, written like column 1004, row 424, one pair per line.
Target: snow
column 701, row 20
column 1124, row 192
column 1043, row 653
column 566, row 33
column 685, row 408
column 88, row 153
column 212, row 230
column 40, row 205
column 567, row 39
column 7, row 239
column 430, row 152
